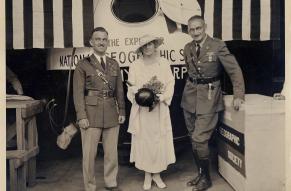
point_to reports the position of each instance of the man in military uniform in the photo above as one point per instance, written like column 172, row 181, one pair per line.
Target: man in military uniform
column 202, row 100
column 100, row 108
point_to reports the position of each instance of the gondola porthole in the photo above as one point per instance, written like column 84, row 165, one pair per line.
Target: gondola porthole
column 134, row 11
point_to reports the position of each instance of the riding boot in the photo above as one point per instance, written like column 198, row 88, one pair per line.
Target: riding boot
column 195, row 180
column 204, row 182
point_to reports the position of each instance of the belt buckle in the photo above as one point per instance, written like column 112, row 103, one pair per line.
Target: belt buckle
column 193, row 80
column 105, row 94
column 202, row 81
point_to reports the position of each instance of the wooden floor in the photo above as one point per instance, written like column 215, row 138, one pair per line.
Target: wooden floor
column 58, row 175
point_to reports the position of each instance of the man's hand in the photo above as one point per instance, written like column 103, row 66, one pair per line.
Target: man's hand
column 17, row 87
column 237, row 103
column 121, row 119
column 83, row 123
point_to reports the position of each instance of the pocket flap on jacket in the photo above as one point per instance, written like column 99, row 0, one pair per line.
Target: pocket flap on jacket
column 113, row 73
column 91, row 100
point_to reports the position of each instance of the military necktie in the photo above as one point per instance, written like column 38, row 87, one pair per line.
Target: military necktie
column 102, row 63
column 198, row 50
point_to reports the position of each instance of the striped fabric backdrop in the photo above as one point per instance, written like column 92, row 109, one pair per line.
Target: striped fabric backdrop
column 239, row 19
column 67, row 23
column 243, row 19
column 48, row 23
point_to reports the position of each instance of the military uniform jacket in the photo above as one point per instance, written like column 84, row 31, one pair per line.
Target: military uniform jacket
column 214, row 56
column 101, row 112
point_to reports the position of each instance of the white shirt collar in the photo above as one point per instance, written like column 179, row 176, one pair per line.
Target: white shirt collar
column 99, row 58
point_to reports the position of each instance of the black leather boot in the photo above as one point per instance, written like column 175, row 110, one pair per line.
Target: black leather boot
column 196, row 179
column 204, row 181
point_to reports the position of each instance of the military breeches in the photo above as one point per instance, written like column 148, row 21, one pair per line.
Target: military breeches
column 90, row 138
column 200, row 128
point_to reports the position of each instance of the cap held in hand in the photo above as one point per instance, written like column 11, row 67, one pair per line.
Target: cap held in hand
column 65, row 138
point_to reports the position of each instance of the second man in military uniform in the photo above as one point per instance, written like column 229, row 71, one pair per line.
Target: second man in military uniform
column 202, row 100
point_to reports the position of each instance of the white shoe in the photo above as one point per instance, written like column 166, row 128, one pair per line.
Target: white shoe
column 157, row 179
column 147, row 181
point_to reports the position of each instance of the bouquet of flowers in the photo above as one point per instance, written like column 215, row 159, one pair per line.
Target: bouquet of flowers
column 157, row 87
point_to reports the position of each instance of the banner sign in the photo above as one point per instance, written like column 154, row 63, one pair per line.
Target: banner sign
column 232, row 137
column 122, row 49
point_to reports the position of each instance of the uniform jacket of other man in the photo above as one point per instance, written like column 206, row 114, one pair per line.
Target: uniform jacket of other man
column 101, row 112
column 213, row 57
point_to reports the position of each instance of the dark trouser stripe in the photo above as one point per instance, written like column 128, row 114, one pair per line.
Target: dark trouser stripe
column 48, row 24
column 27, row 24
column 217, row 20
column 9, row 26
column 275, row 18
column 237, row 20
column 172, row 26
column 68, row 26
column 88, row 20
column 255, row 19
column 202, row 6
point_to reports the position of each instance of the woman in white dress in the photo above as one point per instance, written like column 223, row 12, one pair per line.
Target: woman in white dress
column 152, row 147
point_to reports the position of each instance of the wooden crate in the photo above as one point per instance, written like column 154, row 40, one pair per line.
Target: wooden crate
column 22, row 161
column 251, row 144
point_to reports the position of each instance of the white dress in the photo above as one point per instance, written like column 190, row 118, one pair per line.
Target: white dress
column 152, row 147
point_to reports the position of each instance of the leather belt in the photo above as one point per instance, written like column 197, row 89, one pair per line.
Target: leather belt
column 100, row 93
column 203, row 80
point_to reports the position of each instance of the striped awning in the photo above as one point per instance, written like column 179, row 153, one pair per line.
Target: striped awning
column 67, row 23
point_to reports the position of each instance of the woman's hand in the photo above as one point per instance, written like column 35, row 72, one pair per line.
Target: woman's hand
column 133, row 89
column 161, row 97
